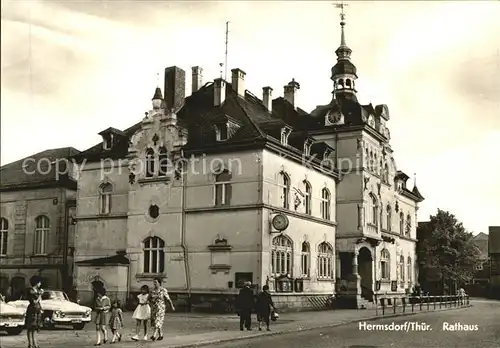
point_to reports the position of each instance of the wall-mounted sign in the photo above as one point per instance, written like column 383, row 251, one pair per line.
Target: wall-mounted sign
column 280, row 222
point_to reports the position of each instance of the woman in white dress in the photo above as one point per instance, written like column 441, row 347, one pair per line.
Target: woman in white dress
column 142, row 313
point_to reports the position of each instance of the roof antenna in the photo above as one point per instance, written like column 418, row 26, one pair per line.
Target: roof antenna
column 225, row 55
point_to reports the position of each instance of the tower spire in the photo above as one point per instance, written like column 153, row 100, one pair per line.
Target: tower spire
column 342, row 22
column 344, row 72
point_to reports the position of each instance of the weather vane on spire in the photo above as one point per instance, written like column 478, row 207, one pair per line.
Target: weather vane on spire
column 157, row 79
column 341, row 6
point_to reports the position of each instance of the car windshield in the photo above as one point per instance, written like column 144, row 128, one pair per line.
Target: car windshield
column 54, row 295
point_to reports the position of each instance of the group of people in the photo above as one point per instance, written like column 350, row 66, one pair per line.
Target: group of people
column 263, row 305
column 151, row 307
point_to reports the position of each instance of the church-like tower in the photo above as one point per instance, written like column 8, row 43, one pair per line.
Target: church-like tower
column 344, row 72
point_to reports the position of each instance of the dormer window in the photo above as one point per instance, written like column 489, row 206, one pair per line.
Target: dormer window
column 221, row 132
column 107, row 141
column 399, row 186
column 285, row 132
column 307, row 147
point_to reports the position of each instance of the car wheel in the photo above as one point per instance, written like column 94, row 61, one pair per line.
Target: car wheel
column 79, row 326
column 14, row 331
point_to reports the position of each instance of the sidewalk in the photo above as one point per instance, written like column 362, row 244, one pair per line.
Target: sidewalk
column 226, row 328
column 193, row 329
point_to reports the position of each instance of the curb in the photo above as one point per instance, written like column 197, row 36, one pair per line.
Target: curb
column 287, row 331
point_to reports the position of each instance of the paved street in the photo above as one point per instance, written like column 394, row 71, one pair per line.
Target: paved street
column 187, row 329
column 485, row 314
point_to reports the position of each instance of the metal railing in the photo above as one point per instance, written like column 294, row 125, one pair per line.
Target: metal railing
column 393, row 305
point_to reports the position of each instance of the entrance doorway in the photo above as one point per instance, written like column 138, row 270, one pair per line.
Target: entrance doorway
column 365, row 270
column 96, row 285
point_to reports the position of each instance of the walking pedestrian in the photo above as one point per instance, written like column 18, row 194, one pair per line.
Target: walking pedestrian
column 102, row 306
column 116, row 321
column 33, row 320
column 142, row 313
column 263, row 307
column 158, row 299
column 245, row 303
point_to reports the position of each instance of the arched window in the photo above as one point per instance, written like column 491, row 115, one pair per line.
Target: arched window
column 389, row 218
column 150, row 163
column 409, row 268
column 281, row 255
column 4, row 235
column 154, row 255
column 222, row 188
column 284, row 188
column 402, row 269
column 408, row 225
column 325, row 261
column 401, row 223
column 374, row 210
column 326, row 204
column 42, row 229
column 305, row 260
column 163, row 162
column 385, row 262
column 367, row 155
column 308, row 197
column 105, row 198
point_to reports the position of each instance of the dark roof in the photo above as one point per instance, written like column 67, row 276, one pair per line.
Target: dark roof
column 198, row 115
column 109, row 260
column 111, row 130
column 401, row 176
column 344, row 66
column 157, row 94
column 44, row 169
column 347, row 104
column 417, row 193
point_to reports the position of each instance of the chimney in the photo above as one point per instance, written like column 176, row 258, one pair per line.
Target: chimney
column 238, row 81
column 175, row 88
column 219, row 91
column 290, row 92
column 196, row 78
column 267, row 100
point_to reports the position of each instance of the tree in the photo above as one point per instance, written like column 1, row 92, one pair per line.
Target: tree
column 446, row 253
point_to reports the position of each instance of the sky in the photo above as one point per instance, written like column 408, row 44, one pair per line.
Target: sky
column 71, row 69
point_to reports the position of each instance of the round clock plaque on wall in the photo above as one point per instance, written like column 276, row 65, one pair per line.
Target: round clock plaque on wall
column 280, row 222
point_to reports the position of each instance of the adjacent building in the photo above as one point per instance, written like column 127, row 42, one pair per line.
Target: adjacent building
column 220, row 187
column 37, row 201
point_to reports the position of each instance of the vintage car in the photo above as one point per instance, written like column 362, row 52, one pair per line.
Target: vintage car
column 59, row 310
column 11, row 318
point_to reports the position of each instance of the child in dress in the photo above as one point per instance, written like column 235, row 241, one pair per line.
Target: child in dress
column 142, row 313
column 102, row 305
column 116, row 321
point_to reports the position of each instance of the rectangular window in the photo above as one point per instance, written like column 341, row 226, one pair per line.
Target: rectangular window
column 384, row 268
column 305, row 264
column 4, row 235
column 40, row 240
column 222, row 193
